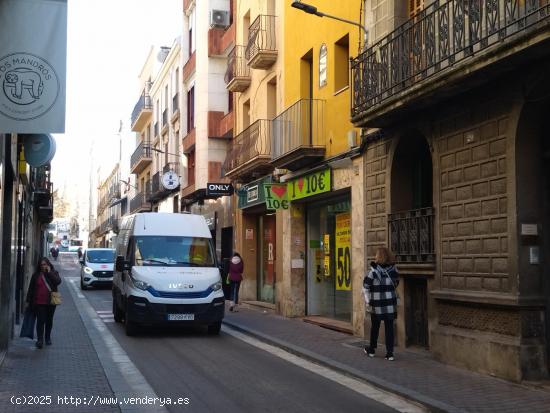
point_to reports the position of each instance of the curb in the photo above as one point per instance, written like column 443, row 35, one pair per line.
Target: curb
column 410, row 395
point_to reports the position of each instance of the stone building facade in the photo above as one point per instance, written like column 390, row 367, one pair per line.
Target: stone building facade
column 456, row 179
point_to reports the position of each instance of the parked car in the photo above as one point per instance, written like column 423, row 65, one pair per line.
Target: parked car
column 166, row 273
column 97, row 265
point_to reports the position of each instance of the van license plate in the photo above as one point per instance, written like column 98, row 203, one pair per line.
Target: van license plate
column 181, row 317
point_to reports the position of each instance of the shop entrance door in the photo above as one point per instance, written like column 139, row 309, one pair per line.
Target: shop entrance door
column 267, row 248
column 329, row 261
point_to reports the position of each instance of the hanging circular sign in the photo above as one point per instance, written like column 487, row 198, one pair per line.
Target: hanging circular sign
column 170, row 180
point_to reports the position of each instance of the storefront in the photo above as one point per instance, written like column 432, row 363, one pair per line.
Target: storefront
column 329, row 258
column 259, row 241
column 320, row 240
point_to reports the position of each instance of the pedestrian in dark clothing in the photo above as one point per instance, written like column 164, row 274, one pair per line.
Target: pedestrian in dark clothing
column 79, row 252
column 236, row 268
column 381, row 298
column 54, row 252
column 43, row 281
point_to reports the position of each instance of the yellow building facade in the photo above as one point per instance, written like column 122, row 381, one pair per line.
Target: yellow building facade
column 321, row 248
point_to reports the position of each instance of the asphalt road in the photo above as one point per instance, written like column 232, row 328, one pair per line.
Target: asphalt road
column 221, row 373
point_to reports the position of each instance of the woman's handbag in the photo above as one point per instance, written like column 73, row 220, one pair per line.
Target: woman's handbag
column 29, row 320
column 55, row 297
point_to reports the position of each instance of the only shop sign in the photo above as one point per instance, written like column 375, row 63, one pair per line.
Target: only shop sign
column 309, row 185
column 276, row 196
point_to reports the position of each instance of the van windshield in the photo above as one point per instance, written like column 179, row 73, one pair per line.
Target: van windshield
column 174, row 251
column 101, row 256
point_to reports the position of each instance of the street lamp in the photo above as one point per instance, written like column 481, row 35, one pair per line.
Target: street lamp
column 161, row 151
column 309, row 9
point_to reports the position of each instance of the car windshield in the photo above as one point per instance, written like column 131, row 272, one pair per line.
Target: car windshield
column 174, row 251
column 101, row 256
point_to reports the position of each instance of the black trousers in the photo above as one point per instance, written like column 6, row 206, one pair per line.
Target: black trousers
column 375, row 320
column 235, row 285
column 44, row 320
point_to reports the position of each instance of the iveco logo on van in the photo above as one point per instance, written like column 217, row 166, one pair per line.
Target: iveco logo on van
column 180, row 286
column 219, row 189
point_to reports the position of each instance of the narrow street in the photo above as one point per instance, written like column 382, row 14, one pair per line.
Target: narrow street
column 217, row 373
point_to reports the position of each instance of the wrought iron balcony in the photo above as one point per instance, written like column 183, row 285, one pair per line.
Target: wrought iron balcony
column 412, row 235
column 143, row 110
column 250, row 151
column 445, row 42
column 237, row 75
column 139, row 202
column 45, row 208
column 261, row 51
column 41, row 185
column 141, row 158
column 299, row 135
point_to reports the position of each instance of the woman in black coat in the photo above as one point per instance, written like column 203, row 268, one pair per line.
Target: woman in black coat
column 44, row 280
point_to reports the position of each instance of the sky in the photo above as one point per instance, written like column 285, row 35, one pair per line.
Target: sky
column 107, row 43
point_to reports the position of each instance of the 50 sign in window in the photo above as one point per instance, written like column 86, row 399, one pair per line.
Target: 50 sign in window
column 309, row 185
column 343, row 254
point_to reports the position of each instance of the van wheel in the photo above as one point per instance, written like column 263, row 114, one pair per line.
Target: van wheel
column 82, row 286
column 117, row 313
column 214, row 329
column 130, row 327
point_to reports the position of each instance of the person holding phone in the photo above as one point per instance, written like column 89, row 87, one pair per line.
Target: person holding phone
column 44, row 280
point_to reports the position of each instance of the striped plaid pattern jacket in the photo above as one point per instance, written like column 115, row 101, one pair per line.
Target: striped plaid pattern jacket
column 380, row 284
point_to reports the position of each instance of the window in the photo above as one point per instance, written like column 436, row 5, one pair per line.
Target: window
column 191, row 109
column 177, row 251
column 415, row 6
column 323, row 65
column 341, row 63
column 191, row 168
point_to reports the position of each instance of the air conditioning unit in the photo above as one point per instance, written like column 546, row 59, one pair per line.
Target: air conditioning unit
column 219, row 18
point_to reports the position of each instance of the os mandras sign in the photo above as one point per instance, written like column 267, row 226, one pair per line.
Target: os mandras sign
column 29, row 86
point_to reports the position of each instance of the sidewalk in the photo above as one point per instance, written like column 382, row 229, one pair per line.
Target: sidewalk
column 70, row 367
column 415, row 376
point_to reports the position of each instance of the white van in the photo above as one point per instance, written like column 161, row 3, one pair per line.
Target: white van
column 97, row 266
column 166, row 272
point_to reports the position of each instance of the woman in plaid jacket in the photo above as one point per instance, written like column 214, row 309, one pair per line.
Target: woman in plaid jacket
column 380, row 294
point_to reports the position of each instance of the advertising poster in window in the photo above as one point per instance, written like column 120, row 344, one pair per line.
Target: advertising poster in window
column 342, row 251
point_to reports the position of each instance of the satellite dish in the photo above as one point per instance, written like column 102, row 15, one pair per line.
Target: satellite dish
column 39, row 148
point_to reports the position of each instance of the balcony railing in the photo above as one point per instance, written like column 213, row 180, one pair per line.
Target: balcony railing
column 261, row 51
column 139, row 201
column 237, row 75
column 412, row 235
column 250, row 150
column 140, row 157
column 40, row 179
column 142, row 109
column 438, row 37
column 299, row 134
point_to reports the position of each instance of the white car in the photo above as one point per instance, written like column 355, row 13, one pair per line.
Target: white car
column 97, row 265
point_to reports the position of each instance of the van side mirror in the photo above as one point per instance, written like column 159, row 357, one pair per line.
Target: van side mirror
column 121, row 264
column 82, row 261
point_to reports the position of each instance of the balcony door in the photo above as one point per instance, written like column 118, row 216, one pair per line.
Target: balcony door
column 411, row 224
